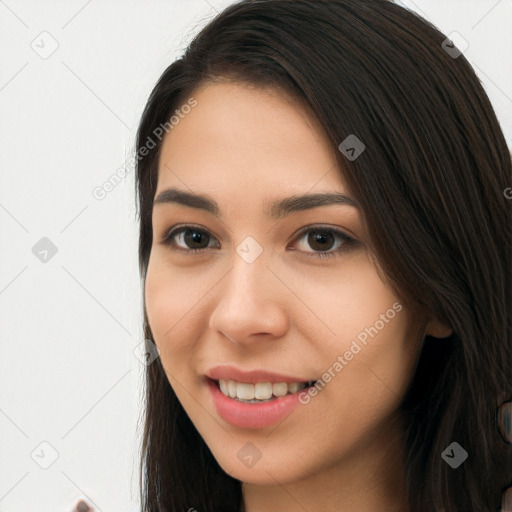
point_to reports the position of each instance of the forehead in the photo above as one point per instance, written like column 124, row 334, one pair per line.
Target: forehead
column 240, row 135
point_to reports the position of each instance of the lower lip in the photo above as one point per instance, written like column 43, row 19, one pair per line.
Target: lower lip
column 245, row 415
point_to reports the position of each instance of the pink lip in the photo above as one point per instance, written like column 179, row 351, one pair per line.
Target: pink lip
column 247, row 415
column 251, row 376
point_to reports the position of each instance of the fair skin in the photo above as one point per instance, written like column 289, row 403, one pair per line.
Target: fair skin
column 288, row 311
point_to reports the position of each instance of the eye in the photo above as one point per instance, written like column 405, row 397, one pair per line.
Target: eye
column 195, row 240
column 321, row 240
column 188, row 236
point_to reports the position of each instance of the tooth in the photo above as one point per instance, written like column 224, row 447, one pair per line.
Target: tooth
column 258, row 391
column 293, row 387
column 245, row 391
column 279, row 388
column 263, row 390
column 232, row 388
column 224, row 386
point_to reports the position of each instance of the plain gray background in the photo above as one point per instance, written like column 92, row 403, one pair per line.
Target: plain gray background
column 74, row 78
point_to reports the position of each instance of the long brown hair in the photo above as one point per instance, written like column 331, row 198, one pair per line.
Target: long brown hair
column 431, row 187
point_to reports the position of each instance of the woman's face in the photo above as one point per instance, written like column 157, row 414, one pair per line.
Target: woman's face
column 256, row 295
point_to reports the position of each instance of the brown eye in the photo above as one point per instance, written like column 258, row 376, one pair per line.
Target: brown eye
column 320, row 240
column 188, row 238
column 323, row 239
column 194, row 238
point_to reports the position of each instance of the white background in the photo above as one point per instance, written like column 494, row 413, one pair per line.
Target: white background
column 70, row 327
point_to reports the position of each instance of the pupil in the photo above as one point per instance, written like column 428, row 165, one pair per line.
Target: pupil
column 319, row 236
column 195, row 237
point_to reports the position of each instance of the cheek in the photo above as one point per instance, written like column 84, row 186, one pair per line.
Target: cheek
column 344, row 301
column 159, row 301
column 366, row 389
column 166, row 302
column 174, row 297
column 374, row 375
column 371, row 348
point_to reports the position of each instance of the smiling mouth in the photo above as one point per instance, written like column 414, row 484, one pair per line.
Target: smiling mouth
column 261, row 391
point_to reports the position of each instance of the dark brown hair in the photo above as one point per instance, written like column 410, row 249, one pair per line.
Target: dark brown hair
column 430, row 184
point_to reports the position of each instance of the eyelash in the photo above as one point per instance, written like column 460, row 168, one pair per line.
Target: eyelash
column 347, row 242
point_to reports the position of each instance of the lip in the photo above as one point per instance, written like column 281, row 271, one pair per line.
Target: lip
column 251, row 376
column 251, row 415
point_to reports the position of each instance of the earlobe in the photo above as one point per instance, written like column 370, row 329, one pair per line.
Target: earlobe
column 438, row 330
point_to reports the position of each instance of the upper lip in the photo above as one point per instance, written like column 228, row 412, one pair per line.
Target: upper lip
column 250, row 376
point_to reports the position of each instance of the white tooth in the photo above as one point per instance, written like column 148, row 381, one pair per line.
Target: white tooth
column 280, row 388
column 232, row 388
column 245, row 391
column 224, row 387
column 258, row 391
column 293, row 387
column 263, row 390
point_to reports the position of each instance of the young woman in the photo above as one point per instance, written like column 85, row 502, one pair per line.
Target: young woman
column 325, row 247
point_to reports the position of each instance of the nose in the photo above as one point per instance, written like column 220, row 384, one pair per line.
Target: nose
column 250, row 303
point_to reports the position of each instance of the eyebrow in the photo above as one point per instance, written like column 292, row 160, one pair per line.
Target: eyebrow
column 277, row 210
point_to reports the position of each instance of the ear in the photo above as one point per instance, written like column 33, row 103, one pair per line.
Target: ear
column 438, row 329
